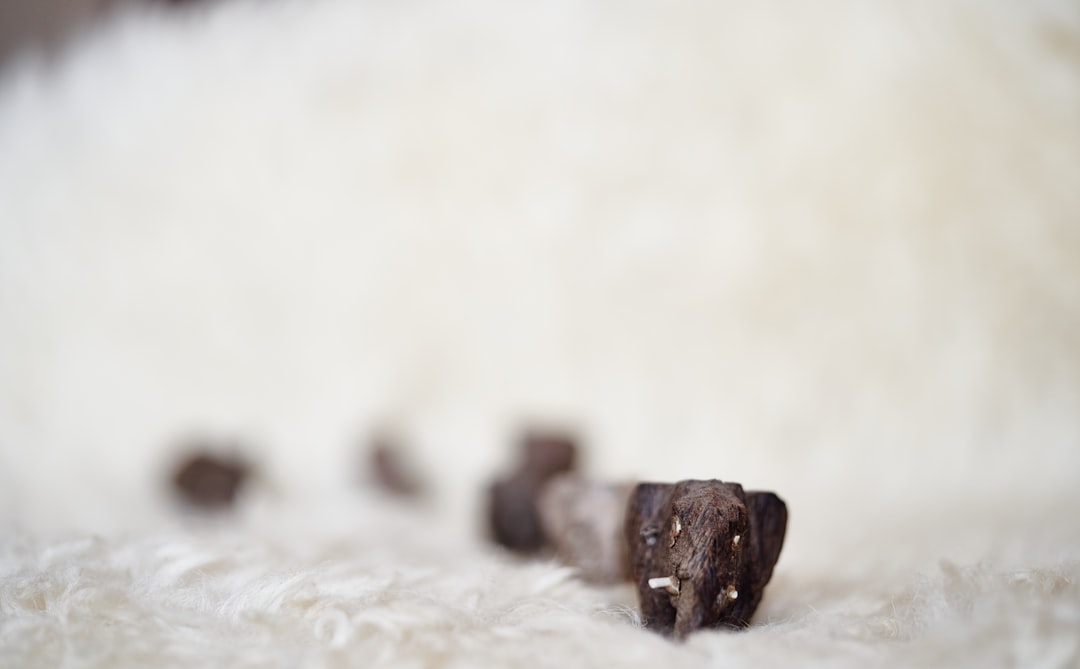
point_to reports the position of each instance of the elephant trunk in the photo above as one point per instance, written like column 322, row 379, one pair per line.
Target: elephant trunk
column 693, row 607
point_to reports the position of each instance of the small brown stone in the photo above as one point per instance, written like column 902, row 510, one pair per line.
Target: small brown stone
column 514, row 517
column 584, row 522
column 701, row 552
column 210, row 481
column 543, row 455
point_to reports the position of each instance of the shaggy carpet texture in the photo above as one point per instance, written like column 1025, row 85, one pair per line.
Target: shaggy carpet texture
column 827, row 249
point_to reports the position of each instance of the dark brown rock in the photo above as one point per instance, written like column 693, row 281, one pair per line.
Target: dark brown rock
column 390, row 470
column 584, row 522
column 514, row 516
column 701, row 552
column 210, row 481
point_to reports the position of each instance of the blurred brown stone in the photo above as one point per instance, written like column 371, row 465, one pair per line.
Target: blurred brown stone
column 544, row 455
column 390, row 470
column 702, row 552
column 210, row 481
column 514, row 515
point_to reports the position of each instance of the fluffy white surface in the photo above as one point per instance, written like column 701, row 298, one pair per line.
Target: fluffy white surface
column 829, row 249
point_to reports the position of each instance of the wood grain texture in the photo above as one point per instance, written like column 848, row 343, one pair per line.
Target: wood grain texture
column 717, row 543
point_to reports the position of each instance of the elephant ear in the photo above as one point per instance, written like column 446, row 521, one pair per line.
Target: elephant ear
column 768, row 524
column 646, row 509
column 648, row 514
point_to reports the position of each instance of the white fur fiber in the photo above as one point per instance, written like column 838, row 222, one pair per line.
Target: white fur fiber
column 830, row 249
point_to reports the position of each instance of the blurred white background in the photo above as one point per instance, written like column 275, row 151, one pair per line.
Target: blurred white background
column 830, row 250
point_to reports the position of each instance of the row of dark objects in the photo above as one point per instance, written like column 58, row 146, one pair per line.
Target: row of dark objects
column 210, row 478
column 700, row 552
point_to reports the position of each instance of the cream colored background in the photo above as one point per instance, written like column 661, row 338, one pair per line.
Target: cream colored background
column 827, row 249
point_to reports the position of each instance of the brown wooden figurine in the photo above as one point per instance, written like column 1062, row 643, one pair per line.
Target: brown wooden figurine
column 701, row 552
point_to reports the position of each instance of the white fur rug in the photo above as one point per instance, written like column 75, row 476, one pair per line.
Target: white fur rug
column 828, row 249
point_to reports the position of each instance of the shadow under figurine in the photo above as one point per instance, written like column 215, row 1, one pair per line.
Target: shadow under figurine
column 701, row 552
